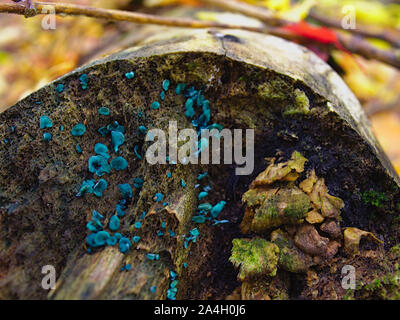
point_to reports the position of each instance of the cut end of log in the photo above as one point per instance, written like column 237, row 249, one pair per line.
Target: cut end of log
column 289, row 97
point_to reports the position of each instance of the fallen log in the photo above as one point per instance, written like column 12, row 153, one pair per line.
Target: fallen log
column 293, row 101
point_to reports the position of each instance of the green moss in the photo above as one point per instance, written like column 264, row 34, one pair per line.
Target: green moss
column 374, row 198
column 298, row 206
column 396, row 249
column 302, row 105
column 386, row 287
column 255, row 257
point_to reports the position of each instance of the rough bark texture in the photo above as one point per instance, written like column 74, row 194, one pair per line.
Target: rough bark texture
column 251, row 81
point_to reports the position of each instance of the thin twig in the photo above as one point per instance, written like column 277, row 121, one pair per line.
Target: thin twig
column 119, row 15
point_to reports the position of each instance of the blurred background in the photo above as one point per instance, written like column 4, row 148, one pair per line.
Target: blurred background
column 30, row 57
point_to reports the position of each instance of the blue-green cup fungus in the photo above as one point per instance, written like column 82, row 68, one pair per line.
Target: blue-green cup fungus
column 126, row 190
column 97, row 215
column 104, row 111
column 45, row 122
column 99, row 165
column 101, row 238
column 47, row 136
column 99, row 188
column 124, row 244
column 155, row 105
column 86, row 187
column 117, row 139
column 114, row 223
column 119, row 163
column 78, row 130
column 130, row 75
column 138, row 183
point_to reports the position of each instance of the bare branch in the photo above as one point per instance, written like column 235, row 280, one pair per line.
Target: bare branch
column 120, row 15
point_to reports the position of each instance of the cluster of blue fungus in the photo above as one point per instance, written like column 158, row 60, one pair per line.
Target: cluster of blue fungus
column 165, row 84
column 112, row 241
column 189, row 110
column 101, row 150
column 217, row 222
column 117, row 139
column 138, row 183
column 101, row 238
column 196, row 108
column 104, row 111
column 126, row 267
column 86, row 187
column 124, row 244
column 98, row 237
column 78, row 148
column 179, row 88
column 216, row 210
column 202, row 195
column 119, row 163
column 47, row 136
column 215, row 126
column 162, row 95
column 120, row 208
column 99, row 165
column 155, row 105
column 153, row 256
column 99, row 188
column 84, row 78
column 171, row 233
column 192, row 237
column 135, row 150
column 61, row 128
column 158, row 197
column 114, row 223
column 115, row 126
column 60, row 88
column 142, row 129
column 126, row 190
column 130, row 75
column 78, row 130
column 173, row 290
column 103, row 131
column 45, row 122
column 199, row 219
column 202, row 175
column 97, row 215
column 153, row 289
column 206, row 211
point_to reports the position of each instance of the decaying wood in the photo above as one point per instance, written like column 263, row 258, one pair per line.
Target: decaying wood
column 252, row 81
